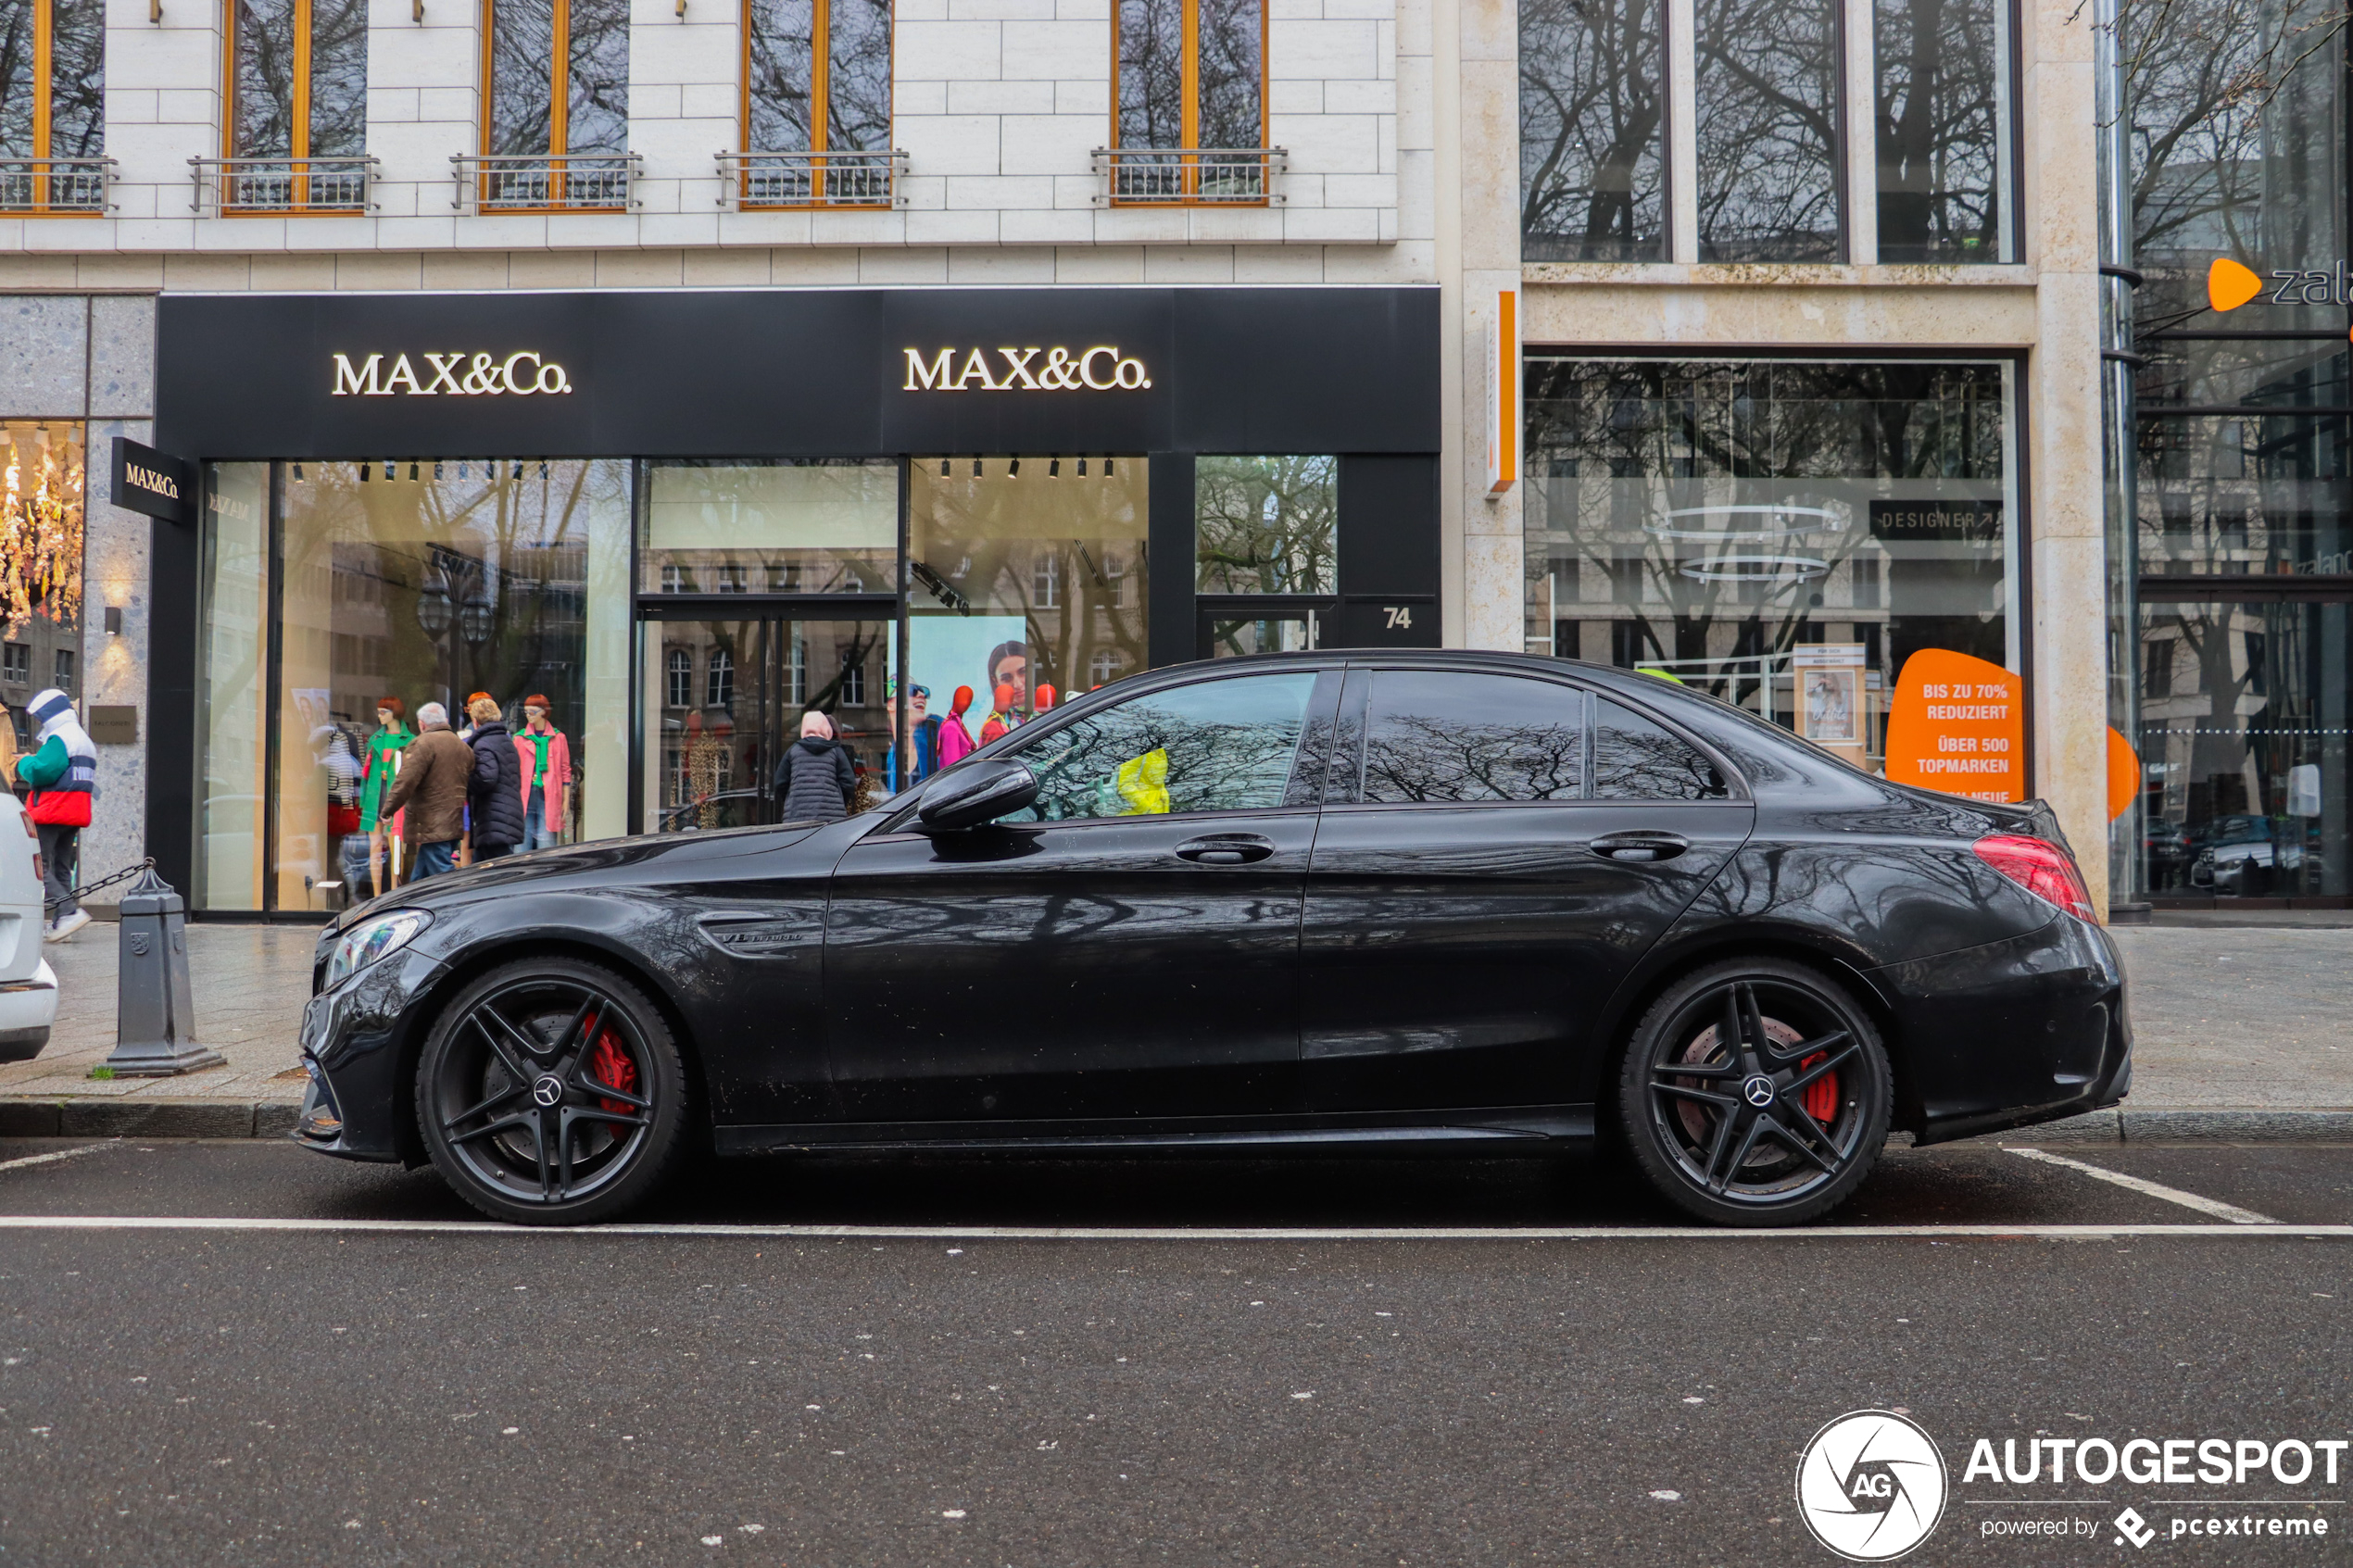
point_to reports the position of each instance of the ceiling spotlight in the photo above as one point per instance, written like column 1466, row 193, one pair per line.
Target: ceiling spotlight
column 462, row 470
column 542, row 468
column 364, row 469
column 388, row 473
column 1107, row 468
column 297, row 472
column 976, row 465
column 1012, row 470
column 1053, row 468
column 412, row 467
column 436, row 468
column 1082, row 468
column 943, row 468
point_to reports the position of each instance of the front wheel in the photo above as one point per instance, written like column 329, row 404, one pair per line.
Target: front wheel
column 1755, row 1092
column 551, row 1093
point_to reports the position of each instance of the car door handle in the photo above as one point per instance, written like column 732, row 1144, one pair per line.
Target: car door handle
column 1640, row 846
column 1226, row 849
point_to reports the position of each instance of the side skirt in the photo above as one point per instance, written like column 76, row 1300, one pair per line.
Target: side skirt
column 1519, row 1131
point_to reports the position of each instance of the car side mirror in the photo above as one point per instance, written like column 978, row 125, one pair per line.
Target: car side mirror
column 981, row 793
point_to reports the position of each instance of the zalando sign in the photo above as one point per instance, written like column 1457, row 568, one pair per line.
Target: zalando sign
column 523, row 373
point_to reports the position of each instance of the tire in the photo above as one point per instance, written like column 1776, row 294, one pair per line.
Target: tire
column 1753, row 1137
column 551, row 1093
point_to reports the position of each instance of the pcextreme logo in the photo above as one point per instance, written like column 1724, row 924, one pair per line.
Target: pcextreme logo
column 2230, row 285
column 1871, row 1486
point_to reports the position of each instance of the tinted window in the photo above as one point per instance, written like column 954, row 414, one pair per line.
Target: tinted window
column 1635, row 759
column 1438, row 736
column 1217, row 745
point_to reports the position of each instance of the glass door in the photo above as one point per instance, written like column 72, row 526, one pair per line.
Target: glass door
column 727, row 694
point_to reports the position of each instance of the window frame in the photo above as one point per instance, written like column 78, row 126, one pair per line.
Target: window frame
column 1189, row 115
column 558, row 152
column 821, row 33
column 1357, row 699
column 44, row 74
column 298, row 138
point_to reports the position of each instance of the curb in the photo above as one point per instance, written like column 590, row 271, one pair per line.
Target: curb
column 123, row 1117
column 95, row 1117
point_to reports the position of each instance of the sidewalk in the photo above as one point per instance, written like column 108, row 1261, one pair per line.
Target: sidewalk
column 2242, row 1032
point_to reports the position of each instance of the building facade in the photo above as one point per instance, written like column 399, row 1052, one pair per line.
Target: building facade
column 690, row 364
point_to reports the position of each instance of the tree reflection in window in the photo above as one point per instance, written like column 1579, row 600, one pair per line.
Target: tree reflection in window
column 1767, row 122
column 1941, row 105
column 1635, row 759
column 784, row 38
column 1591, row 104
column 64, row 114
column 273, row 76
column 1446, row 737
column 1266, row 525
column 534, row 43
column 1219, row 746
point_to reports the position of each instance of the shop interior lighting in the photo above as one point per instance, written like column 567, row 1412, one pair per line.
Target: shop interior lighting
column 363, row 472
column 389, row 472
column 976, row 465
column 542, row 468
column 1747, row 521
column 943, row 468
column 436, row 468
column 1082, row 468
column 298, row 474
column 1053, row 468
column 1107, row 471
column 412, row 469
column 1771, row 571
column 1012, row 470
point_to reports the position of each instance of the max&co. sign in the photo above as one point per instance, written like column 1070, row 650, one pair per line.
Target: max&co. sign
column 520, row 374
column 152, row 484
column 1100, row 369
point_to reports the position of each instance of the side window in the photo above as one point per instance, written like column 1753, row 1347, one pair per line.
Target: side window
column 1440, row 735
column 1635, row 759
column 1215, row 745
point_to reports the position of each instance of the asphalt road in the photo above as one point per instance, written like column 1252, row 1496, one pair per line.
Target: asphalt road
column 1585, row 1389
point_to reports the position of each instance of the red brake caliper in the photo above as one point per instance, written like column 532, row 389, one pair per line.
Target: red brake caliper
column 610, row 1066
column 1822, row 1094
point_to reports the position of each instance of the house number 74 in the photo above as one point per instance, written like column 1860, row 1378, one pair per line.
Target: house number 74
column 1400, row 616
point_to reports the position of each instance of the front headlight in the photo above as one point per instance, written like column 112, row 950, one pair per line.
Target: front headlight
column 371, row 940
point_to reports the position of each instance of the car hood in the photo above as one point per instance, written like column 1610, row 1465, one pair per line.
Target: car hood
column 615, row 862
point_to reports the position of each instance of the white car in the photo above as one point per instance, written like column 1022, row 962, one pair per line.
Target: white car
column 27, row 985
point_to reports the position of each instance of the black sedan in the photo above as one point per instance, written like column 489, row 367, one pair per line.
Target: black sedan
column 1322, row 901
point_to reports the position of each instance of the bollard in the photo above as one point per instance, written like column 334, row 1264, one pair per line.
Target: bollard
column 155, row 1019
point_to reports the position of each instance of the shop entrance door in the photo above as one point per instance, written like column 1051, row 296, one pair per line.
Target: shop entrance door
column 724, row 694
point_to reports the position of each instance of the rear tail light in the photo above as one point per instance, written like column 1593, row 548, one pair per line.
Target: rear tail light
column 2042, row 868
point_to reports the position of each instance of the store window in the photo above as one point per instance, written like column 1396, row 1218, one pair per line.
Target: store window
column 298, row 88
column 1741, row 525
column 813, row 527
column 41, row 478
column 816, row 80
column 59, row 113
column 1593, row 114
column 1266, row 525
column 556, row 86
column 399, row 584
column 1766, row 118
column 1943, row 110
column 1189, row 75
column 987, row 616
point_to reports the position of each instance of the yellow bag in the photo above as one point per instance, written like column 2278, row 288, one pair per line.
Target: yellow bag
column 1143, row 785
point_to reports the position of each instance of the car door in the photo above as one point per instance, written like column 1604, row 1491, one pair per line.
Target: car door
column 1126, row 948
column 1490, row 863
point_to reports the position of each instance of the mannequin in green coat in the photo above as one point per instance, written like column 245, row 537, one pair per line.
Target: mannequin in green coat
column 392, row 737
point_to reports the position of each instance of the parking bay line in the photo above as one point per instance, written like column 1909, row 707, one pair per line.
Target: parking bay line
column 52, row 1158
column 1159, row 1232
column 2215, row 1207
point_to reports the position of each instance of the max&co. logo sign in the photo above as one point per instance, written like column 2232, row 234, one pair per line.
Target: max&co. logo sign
column 520, row 374
column 1100, row 369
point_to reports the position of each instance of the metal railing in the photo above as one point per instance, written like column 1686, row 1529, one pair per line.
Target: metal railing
column 544, row 183
column 1189, row 176
column 328, row 186
column 64, row 186
column 850, row 179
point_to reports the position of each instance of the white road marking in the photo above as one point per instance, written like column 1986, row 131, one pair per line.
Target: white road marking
column 52, row 1159
column 2215, row 1207
column 1138, row 1233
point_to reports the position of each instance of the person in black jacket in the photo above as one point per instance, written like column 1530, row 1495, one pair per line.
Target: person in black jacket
column 493, row 795
column 816, row 780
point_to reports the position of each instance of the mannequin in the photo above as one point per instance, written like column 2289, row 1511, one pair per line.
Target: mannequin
column 546, row 756
column 383, row 765
column 955, row 741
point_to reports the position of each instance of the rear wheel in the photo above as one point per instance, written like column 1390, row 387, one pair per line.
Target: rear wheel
column 551, row 1093
column 1755, row 1092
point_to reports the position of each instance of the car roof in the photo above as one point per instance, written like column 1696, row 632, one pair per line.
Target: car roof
column 1449, row 659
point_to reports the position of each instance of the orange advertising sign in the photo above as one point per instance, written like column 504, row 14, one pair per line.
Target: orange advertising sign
column 1957, row 723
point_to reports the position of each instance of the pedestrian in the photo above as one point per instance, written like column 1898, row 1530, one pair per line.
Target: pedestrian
column 545, row 757
column 816, row 781
column 431, row 786
column 494, row 801
column 63, row 776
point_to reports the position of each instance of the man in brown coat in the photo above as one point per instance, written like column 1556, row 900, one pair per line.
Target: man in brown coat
column 432, row 788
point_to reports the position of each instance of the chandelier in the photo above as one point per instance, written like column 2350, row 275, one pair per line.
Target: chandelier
column 40, row 529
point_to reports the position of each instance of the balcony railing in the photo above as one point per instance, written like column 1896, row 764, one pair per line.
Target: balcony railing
column 326, row 186
column 544, row 182
column 1189, row 176
column 64, row 187
column 754, row 180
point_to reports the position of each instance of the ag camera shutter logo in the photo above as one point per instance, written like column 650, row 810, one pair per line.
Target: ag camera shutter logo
column 1871, row 1486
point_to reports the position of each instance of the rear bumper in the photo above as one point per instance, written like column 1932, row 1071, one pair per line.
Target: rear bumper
column 28, row 1008
column 2029, row 1029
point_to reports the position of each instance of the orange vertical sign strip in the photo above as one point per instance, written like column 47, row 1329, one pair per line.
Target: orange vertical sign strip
column 1959, row 724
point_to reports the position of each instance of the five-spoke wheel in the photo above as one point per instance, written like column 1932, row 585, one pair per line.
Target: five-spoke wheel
column 1755, row 1092
column 551, row 1093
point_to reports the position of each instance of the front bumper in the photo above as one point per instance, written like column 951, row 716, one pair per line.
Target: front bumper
column 2029, row 1029
column 354, row 1044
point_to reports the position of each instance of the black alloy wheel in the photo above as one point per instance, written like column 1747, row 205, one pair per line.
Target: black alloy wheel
column 551, row 1093
column 1755, row 1092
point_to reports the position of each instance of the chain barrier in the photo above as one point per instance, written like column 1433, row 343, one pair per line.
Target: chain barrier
column 51, row 906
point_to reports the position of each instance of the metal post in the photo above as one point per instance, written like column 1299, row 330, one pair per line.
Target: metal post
column 154, row 1016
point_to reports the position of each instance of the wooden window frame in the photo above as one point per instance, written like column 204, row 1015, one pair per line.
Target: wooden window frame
column 559, row 155
column 45, row 55
column 821, row 39
column 1190, row 115
column 298, row 139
